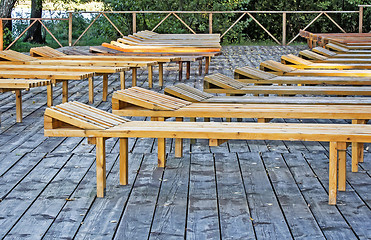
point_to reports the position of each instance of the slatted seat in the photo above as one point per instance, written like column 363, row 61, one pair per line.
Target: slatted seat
column 281, row 69
column 188, row 93
column 219, row 83
column 300, row 63
column 144, row 103
column 331, row 54
column 318, row 58
column 352, row 50
column 17, row 85
column 79, row 120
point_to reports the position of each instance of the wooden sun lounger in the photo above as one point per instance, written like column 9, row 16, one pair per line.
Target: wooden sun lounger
column 79, row 120
column 331, row 54
column 318, row 58
column 55, row 77
column 145, row 103
column 300, row 63
column 17, row 85
column 281, row 69
column 348, row 50
column 22, row 59
column 191, row 94
column 220, row 81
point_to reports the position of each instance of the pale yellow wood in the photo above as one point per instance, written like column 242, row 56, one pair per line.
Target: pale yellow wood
column 49, row 93
column 101, row 166
column 342, row 155
column 134, row 77
column 333, row 162
column 18, row 104
column 122, row 80
column 179, row 142
column 105, row 87
column 150, row 76
column 161, row 74
column 161, row 152
column 65, row 91
column 91, row 90
column 124, row 161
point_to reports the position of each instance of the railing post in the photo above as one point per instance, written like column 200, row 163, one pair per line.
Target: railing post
column 70, row 29
column 210, row 23
column 1, row 35
column 284, row 29
column 360, row 19
column 134, row 22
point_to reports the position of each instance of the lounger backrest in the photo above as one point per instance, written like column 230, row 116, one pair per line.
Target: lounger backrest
column 323, row 51
column 336, row 47
column 187, row 93
column 82, row 116
column 222, row 81
column 311, row 55
column 45, row 51
column 273, row 66
column 149, row 99
column 253, row 73
column 10, row 55
column 292, row 59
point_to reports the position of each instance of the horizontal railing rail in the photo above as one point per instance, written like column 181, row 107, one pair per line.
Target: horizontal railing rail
column 176, row 14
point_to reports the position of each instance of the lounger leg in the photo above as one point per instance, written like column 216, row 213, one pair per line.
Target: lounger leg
column 193, row 119
column 200, row 67
column 161, row 152
column 161, row 74
column 342, row 154
column 91, row 90
column 180, row 70
column 207, row 63
column 122, row 80
column 134, row 76
column 101, row 166
column 150, row 76
column 18, row 105
column 105, row 87
column 124, row 161
column 333, row 159
column 179, row 142
column 357, row 149
column 64, row 91
column 49, row 95
column 188, row 74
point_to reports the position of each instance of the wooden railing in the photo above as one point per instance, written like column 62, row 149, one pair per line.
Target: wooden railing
column 176, row 14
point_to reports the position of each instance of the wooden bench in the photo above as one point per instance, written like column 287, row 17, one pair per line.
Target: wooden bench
column 17, row 85
column 220, row 81
column 79, row 120
column 55, row 77
column 318, row 58
column 145, row 103
column 300, row 63
column 22, row 59
column 281, row 69
column 191, row 94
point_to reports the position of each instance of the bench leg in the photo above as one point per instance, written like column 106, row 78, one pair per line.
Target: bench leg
column 161, row 74
column 342, row 154
column 180, row 70
column 150, row 76
column 188, row 74
column 161, row 152
column 124, row 161
column 18, row 105
column 49, row 95
column 207, row 64
column 357, row 148
column 64, row 91
column 200, row 67
column 105, row 87
column 134, row 76
column 91, row 90
column 178, row 143
column 193, row 119
column 333, row 162
column 122, row 80
column 101, row 166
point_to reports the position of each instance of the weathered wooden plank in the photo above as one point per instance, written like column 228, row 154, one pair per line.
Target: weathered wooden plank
column 299, row 218
column 203, row 219
column 235, row 218
column 137, row 219
column 88, row 217
column 169, row 220
column 8, row 160
column 268, row 219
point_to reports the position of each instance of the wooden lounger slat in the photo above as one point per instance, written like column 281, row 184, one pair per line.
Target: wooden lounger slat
column 101, row 112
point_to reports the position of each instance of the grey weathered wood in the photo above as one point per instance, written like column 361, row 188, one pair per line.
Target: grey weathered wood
column 235, row 220
column 169, row 220
column 202, row 219
column 301, row 222
column 328, row 217
column 268, row 219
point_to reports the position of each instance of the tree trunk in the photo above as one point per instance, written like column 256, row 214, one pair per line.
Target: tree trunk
column 34, row 33
column 6, row 7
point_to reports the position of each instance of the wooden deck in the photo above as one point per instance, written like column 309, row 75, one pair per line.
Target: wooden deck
column 240, row 190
